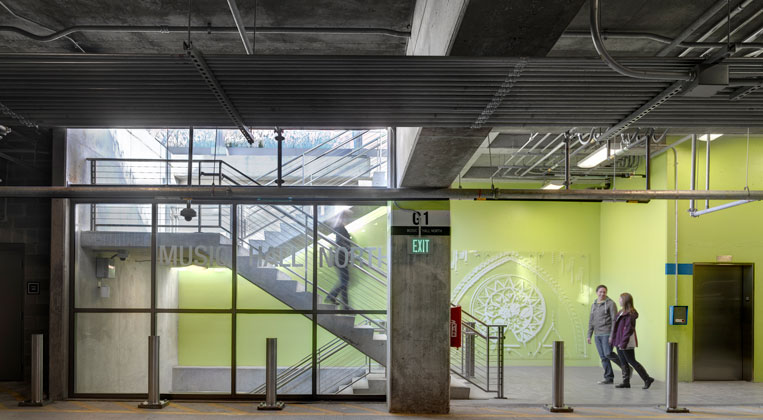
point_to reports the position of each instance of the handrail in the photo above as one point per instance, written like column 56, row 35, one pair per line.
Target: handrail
column 306, row 152
column 351, row 154
column 335, row 147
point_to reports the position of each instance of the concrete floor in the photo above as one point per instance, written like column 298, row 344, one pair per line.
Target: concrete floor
column 532, row 385
column 527, row 390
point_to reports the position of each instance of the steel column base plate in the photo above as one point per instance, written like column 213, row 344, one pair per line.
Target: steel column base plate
column 677, row 410
column 29, row 403
column 562, row 409
column 277, row 406
column 161, row 404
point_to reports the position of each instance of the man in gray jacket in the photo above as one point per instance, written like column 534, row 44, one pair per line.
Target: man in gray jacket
column 600, row 324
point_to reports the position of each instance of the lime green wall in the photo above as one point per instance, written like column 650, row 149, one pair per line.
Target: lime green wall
column 734, row 231
column 204, row 339
column 555, row 246
column 633, row 252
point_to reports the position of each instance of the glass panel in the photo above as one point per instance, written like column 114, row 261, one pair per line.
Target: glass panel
column 112, row 263
column 194, row 259
column 353, row 369
column 294, row 352
column 352, row 259
column 195, row 353
column 275, row 257
column 111, row 352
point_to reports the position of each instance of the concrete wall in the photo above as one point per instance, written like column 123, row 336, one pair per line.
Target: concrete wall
column 111, row 348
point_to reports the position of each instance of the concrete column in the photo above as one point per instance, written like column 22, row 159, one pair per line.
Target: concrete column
column 58, row 328
column 418, row 379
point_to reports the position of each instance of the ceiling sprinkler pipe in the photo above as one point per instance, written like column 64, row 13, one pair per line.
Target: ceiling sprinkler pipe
column 697, row 213
column 598, row 43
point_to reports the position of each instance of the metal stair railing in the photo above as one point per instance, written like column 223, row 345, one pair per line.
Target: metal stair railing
column 353, row 154
column 303, row 156
column 480, row 359
column 304, row 365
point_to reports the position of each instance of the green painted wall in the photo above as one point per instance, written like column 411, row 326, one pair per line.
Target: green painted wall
column 735, row 231
column 204, row 339
column 552, row 247
column 633, row 252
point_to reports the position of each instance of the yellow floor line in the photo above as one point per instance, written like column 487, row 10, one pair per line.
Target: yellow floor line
column 371, row 410
column 321, row 411
column 233, row 409
column 87, row 406
column 133, row 408
column 186, row 408
column 502, row 411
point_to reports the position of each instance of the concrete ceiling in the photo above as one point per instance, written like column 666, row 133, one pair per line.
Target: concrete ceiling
column 384, row 14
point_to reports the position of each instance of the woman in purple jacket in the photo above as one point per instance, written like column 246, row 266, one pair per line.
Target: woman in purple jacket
column 626, row 341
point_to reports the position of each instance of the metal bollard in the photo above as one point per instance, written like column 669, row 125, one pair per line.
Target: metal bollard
column 469, row 361
column 154, row 400
column 36, row 397
column 672, row 380
column 557, row 387
column 271, row 370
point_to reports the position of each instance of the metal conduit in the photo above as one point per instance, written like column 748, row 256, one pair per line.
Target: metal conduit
column 164, row 29
column 709, row 13
column 598, row 43
column 662, row 39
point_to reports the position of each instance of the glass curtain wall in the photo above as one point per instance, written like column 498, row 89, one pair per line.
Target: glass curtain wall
column 314, row 277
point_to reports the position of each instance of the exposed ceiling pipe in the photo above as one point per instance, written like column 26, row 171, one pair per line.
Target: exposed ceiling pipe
column 240, row 26
column 709, row 13
column 219, row 194
column 663, row 39
column 163, row 29
column 693, row 181
column 598, row 43
column 707, row 168
column 720, row 24
column 697, row 213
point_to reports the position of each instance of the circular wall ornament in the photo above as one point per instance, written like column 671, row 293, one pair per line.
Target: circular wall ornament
column 511, row 300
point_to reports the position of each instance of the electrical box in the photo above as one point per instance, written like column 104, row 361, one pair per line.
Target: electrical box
column 679, row 315
column 104, row 268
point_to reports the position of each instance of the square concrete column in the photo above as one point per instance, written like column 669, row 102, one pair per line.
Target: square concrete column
column 418, row 353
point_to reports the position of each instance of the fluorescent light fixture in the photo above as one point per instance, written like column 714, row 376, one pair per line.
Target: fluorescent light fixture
column 598, row 156
column 712, row 137
column 553, row 186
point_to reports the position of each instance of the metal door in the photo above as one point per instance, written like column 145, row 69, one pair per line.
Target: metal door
column 722, row 330
column 11, row 306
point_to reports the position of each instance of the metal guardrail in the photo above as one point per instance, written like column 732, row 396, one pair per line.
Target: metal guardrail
column 480, row 359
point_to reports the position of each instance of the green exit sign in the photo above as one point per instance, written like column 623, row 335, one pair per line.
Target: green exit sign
column 420, row 246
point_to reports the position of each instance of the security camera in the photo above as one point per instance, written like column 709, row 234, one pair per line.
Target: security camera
column 188, row 214
column 122, row 254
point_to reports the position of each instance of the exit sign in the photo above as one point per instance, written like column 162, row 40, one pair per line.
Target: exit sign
column 419, row 246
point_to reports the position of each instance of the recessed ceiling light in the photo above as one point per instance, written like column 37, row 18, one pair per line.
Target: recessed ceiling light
column 598, row 156
column 712, row 137
column 553, row 186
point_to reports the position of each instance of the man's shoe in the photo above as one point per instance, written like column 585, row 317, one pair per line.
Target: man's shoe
column 606, row 382
column 331, row 300
column 623, row 385
column 648, row 383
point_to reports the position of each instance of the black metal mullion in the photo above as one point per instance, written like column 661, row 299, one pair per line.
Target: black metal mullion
column 234, row 275
column 315, row 301
column 154, row 248
column 72, row 283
